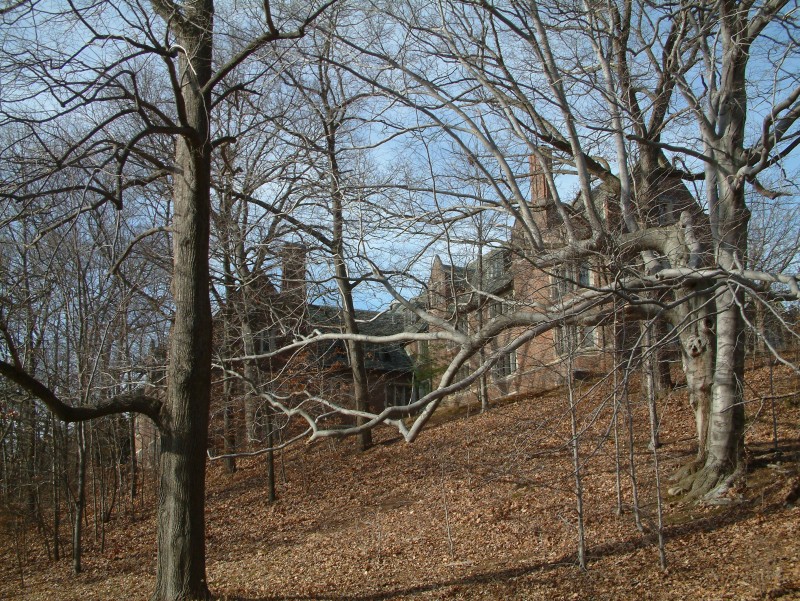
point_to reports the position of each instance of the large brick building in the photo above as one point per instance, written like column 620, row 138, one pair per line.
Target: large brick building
column 504, row 281
column 512, row 277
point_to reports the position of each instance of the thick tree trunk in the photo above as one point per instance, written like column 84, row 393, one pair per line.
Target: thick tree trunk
column 698, row 344
column 181, row 569
column 721, row 424
column 182, row 461
column 728, row 215
column 724, row 445
column 715, row 381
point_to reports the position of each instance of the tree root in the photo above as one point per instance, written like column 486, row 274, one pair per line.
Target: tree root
column 686, row 472
column 706, row 482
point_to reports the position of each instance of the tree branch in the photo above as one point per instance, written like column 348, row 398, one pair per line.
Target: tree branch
column 132, row 402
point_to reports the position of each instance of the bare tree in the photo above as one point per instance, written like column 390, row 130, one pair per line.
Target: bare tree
column 640, row 133
column 91, row 108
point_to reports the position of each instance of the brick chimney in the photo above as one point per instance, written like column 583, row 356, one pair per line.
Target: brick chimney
column 540, row 192
column 544, row 209
column 293, row 268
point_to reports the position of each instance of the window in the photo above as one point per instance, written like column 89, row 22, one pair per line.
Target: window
column 561, row 284
column 398, row 394
column 505, row 365
column 571, row 338
column 265, row 342
column 568, row 278
column 502, row 306
column 588, row 337
column 565, row 339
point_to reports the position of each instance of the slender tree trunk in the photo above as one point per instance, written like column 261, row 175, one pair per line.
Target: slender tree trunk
column 270, row 457
column 228, row 387
column 650, row 375
column 56, row 488
column 576, row 466
column 637, row 518
column 360, row 384
column 662, row 373
column 80, row 501
column 654, row 444
column 229, row 431
column 251, row 372
column 355, row 350
column 29, row 482
column 760, row 343
column 134, row 472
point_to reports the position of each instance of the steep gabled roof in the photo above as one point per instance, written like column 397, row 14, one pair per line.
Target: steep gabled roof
column 379, row 357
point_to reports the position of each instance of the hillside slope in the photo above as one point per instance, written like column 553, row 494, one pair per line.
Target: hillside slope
column 480, row 507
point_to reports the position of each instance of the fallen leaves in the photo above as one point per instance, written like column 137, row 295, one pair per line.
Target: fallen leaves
column 478, row 508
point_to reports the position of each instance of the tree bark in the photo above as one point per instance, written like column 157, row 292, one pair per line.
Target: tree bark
column 355, row 349
column 80, row 502
column 728, row 215
column 181, row 569
column 724, row 444
column 228, row 430
column 697, row 342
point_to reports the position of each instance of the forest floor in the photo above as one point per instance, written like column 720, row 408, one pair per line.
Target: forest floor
column 480, row 507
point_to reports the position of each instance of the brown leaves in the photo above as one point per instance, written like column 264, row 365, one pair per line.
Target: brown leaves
column 480, row 507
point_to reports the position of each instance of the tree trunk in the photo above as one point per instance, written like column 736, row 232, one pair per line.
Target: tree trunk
column 692, row 319
column 228, row 431
column 55, row 484
column 270, row 456
column 729, row 217
column 181, row 569
column 724, row 445
column 254, row 430
column 134, row 470
column 662, row 374
column 355, row 350
column 80, row 502
column 760, row 342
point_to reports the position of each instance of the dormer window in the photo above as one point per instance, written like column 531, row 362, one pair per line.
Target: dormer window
column 498, row 264
column 502, row 306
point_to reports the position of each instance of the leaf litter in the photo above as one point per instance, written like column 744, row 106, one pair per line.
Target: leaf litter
column 482, row 506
